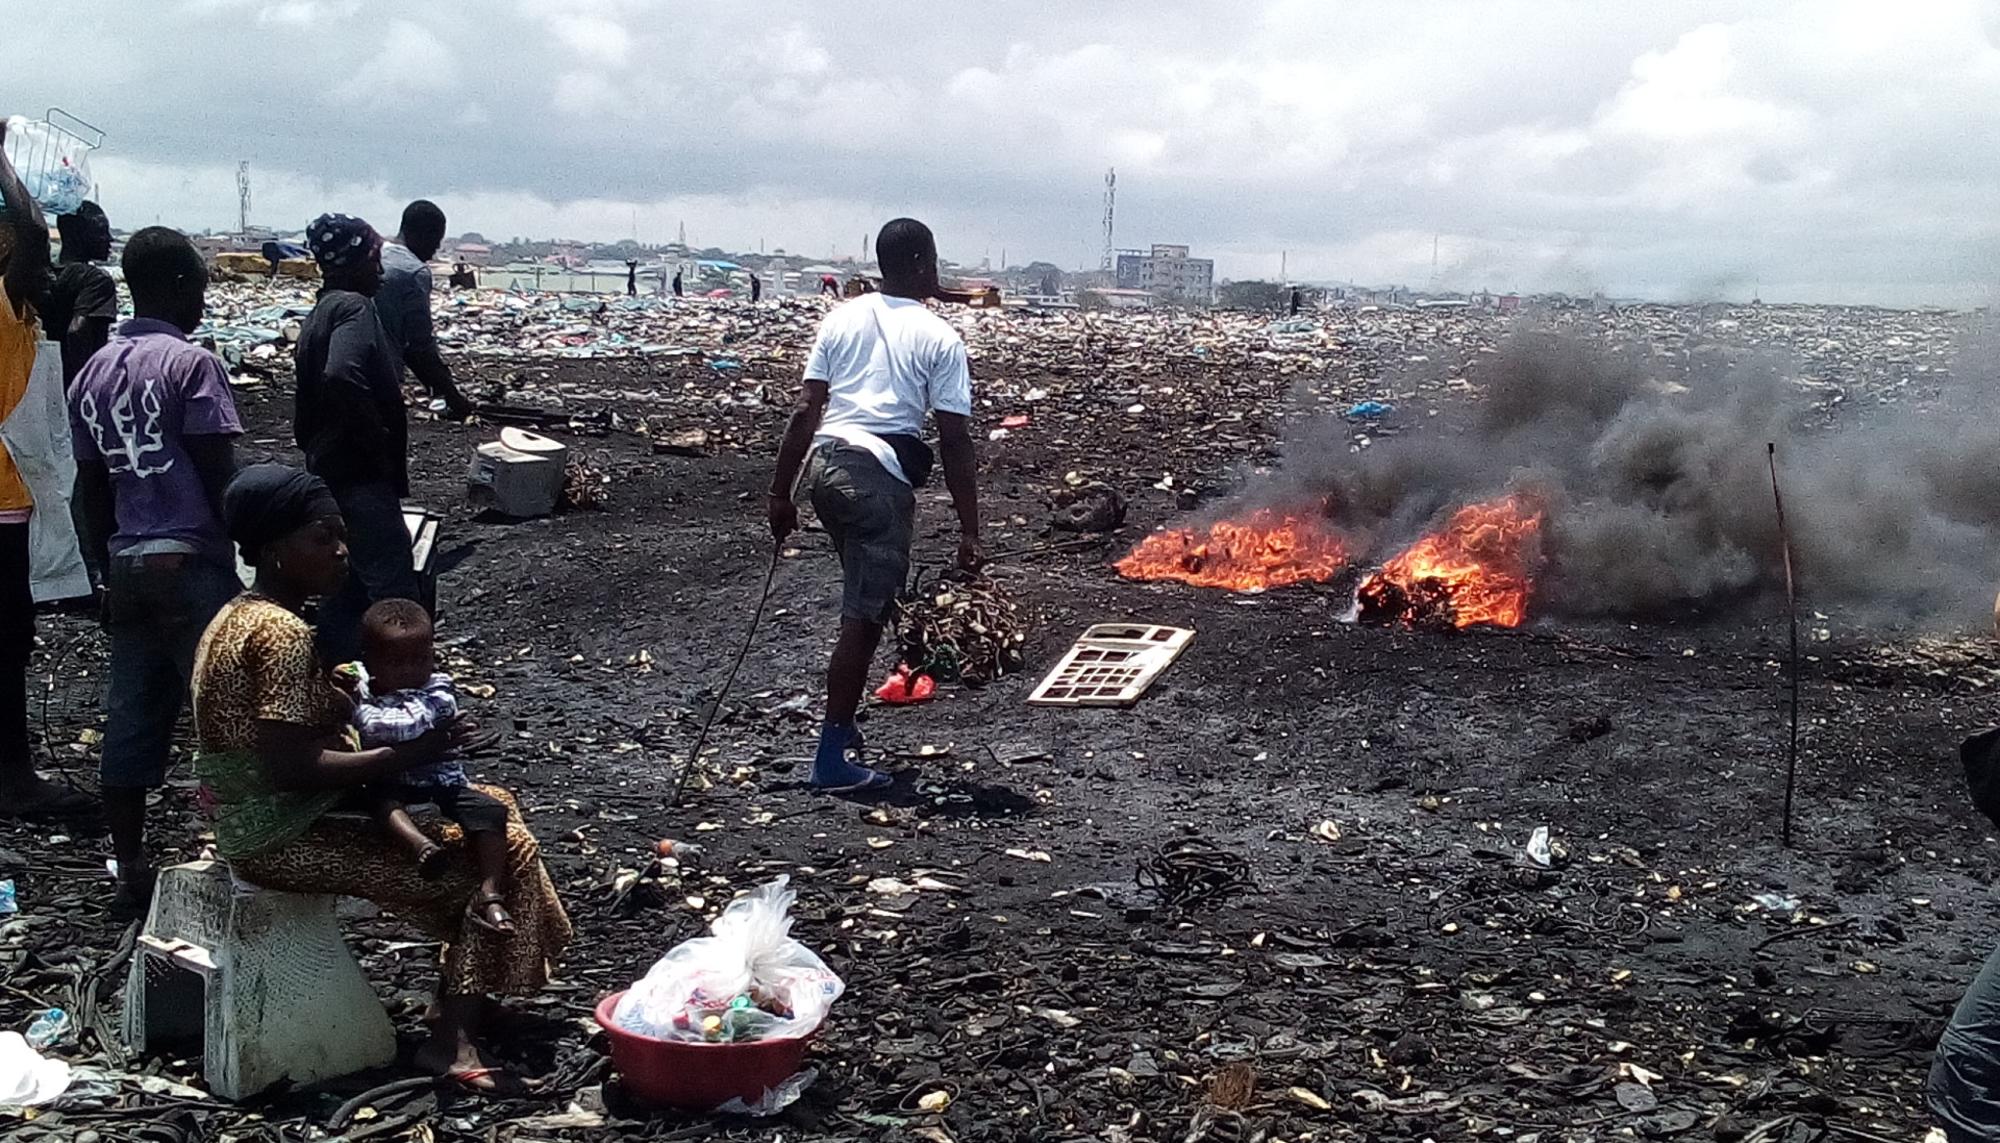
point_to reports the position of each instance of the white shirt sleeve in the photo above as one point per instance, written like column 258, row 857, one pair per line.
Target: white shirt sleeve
column 950, row 382
column 818, row 368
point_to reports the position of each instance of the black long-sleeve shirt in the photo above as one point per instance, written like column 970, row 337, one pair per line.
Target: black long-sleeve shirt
column 349, row 418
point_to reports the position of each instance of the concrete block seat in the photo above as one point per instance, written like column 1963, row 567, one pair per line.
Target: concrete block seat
column 262, row 979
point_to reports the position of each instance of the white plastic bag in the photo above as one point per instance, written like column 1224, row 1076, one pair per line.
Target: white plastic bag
column 748, row 980
column 36, row 434
column 54, row 165
column 27, row 1078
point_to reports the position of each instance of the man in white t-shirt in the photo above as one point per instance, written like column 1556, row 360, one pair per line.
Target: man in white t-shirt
column 881, row 362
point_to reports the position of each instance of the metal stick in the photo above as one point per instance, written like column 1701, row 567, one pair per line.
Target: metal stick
column 1792, row 612
column 694, row 756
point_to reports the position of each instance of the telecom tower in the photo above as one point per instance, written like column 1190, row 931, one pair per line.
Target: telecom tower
column 243, row 197
column 1107, row 264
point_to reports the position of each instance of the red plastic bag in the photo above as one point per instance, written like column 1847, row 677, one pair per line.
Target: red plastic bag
column 903, row 688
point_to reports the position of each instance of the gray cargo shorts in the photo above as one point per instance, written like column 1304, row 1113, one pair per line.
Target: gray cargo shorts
column 872, row 518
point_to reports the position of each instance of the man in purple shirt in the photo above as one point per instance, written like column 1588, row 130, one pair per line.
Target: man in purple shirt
column 154, row 426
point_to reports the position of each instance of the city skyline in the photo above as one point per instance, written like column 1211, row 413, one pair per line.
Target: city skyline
column 1813, row 152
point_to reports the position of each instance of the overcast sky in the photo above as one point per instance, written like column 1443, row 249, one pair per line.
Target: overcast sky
column 1818, row 151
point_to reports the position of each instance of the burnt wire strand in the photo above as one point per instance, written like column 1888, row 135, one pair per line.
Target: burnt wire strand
column 1192, row 873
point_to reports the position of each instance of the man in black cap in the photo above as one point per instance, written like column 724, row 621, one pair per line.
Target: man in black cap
column 83, row 301
column 351, row 425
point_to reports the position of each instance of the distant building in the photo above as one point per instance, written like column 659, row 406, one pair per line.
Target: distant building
column 474, row 253
column 1167, row 272
column 1112, row 299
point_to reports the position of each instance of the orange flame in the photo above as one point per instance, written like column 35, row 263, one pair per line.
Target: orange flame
column 1478, row 568
column 1263, row 550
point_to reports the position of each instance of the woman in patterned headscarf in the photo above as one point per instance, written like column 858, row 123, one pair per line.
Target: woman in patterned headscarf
column 276, row 757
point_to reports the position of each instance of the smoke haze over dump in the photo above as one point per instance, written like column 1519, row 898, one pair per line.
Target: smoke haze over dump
column 1654, row 473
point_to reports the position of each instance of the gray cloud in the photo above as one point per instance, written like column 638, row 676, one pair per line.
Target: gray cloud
column 1826, row 151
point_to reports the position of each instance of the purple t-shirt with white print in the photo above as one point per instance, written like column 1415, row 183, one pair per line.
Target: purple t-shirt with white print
column 131, row 405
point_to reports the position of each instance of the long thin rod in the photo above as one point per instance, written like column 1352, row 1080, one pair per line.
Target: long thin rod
column 749, row 636
column 1792, row 611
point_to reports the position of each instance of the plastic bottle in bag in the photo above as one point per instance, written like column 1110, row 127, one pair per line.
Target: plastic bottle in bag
column 49, row 1028
column 53, row 164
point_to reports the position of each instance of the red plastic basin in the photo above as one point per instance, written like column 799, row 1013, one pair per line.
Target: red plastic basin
column 696, row 1076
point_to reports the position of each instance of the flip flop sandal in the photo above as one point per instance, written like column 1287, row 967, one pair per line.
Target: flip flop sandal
column 432, row 862
column 476, row 913
column 505, row 1083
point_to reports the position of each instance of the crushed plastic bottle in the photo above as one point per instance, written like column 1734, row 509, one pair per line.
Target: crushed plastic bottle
column 49, row 1028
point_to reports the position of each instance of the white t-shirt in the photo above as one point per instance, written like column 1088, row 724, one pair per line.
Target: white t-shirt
column 887, row 362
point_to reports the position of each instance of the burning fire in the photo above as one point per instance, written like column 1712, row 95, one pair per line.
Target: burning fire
column 1265, row 549
column 1478, row 568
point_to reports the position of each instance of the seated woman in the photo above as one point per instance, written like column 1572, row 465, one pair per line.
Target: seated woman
column 275, row 758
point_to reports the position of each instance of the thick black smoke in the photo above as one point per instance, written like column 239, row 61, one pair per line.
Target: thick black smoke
column 1659, row 501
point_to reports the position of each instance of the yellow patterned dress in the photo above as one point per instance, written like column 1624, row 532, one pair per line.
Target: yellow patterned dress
column 257, row 662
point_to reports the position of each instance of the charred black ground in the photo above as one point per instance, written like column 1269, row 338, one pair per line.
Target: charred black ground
column 1399, row 973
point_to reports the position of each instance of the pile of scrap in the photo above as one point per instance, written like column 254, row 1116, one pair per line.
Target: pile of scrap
column 961, row 631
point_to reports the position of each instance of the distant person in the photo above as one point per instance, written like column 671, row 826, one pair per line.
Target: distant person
column 351, row 425
column 631, row 277
column 677, row 282
column 756, row 290
column 80, row 306
column 462, row 277
column 404, row 305
column 153, row 426
column 1296, row 299
column 829, row 286
column 877, row 368
column 24, row 277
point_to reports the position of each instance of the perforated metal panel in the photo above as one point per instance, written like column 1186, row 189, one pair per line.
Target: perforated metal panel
column 1112, row 664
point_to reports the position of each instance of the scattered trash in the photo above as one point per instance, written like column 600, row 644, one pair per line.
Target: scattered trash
column 1191, row 873
column 774, row 1099
column 1776, row 902
column 1111, row 664
column 1538, row 850
column 49, row 1028
column 1092, row 508
column 904, row 687
column 584, row 488
column 683, row 442
column 1370, row 409
column 963, row 630
column 9, row 904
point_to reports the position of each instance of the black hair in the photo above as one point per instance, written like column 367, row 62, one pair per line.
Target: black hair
column 159, row 262
column 80, row 221
column 903, row 246
column 395, row 617
column 423, row 218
